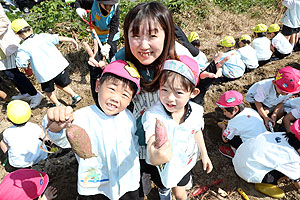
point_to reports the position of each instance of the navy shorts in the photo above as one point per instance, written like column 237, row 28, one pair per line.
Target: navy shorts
column 61, row 80
column 272, row 177
column 287, row 31
column 155, row 177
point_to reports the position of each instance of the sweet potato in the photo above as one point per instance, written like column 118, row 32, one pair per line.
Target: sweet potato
column 161, row 136
column 80, row 141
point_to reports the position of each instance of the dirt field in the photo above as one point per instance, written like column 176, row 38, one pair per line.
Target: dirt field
column 62, row 169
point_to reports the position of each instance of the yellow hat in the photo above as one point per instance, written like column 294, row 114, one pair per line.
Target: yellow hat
column 18, row 111
column 193, row 36
column 228, row 41
column 260, row 28
column 273, row 28
column 245, row 37
column 18, row 24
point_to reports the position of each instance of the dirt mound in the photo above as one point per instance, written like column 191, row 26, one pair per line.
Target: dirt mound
column 62, row 168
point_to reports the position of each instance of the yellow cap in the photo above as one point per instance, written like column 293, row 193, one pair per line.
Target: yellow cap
column 18, row 111
column 193, row 36
column 260, row 28
column 18, row 24
column 273, row 28
column 245, row 37
column 228, row 41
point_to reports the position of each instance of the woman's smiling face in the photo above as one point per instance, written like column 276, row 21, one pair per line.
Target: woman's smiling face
column 146, row 45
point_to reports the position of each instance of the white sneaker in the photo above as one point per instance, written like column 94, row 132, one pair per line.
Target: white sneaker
column 36, row 100
column 25, row 97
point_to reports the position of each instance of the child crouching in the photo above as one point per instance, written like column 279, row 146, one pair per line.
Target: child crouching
column 243, row 124
column 22, row 140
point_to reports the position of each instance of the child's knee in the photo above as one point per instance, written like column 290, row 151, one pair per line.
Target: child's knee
column 179, row 193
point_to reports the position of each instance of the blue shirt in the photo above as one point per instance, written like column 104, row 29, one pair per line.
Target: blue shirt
column 234, row 67
column 101, row 23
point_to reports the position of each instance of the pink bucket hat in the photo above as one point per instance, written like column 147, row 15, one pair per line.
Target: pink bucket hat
column 185, row 66
column 230, row 98
column 124, row 69
column 288, row 80
column 23, row 184
column 295, row 128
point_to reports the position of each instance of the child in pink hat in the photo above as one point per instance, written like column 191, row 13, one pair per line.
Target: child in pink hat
column 114, row 172
column 243, row 123
column 183, row 119
column 268, row 96
column 26, row 184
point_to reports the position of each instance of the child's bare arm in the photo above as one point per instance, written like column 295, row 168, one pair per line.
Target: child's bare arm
column 67, row 39
column 159, row 156
column 277, row 113
column 206, row 74
column 272, row 48
column 3, row 146
column 92, row 53
column 262, row 113
column 287, row 121
column 59, row 118
column 207, row 165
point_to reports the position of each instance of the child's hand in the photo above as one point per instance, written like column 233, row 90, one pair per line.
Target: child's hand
column 207, row 165
column 266, row 121
column 219, row 72
column 159, row 156
column 273, row 119
column 75, row 44
column 222, row 124
column 50, row 193
column 92, row 61
column 59, row 118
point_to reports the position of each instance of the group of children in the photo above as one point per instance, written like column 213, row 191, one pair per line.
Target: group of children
column 270, row 100
column 250, row 54
column 111, row 127
column 118, row 84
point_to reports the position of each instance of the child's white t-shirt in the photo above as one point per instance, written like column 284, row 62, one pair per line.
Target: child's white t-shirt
column 248, row 56
column 264, row 153
column 116, row 169
column 282, row 44
column 262, row 46
column 291, row 17
column 182, row 138
column 234, row 67
column 264, row 91
column 247, row 124
column 24, row 145
column 293, row 106
column 45, row 59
